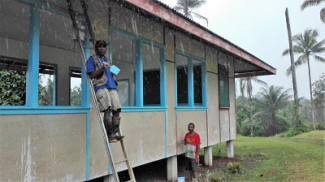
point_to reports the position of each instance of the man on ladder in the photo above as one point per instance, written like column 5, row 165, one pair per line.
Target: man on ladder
column 105, row 85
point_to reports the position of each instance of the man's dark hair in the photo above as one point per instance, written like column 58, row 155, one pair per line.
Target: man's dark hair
column 100, row 43
column 191, row 124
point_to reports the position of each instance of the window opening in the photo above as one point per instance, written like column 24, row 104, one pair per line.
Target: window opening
column 75, row 87
column 223, row 86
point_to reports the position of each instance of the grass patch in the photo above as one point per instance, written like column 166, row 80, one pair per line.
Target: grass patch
column 299, row 158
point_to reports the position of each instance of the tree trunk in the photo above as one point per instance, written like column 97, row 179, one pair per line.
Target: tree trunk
column 311, row 94
column 296, row 120
column 251, row 114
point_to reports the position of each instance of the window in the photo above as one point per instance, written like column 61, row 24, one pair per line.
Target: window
column 75, row 87
column 57, row 47
column 123, row 56
column 223, row 86
column 14, row 37
column 151, row 74
column 13, row 74
column 46, row 85
column 141, row 76
column 182, row 80
column 190, row 79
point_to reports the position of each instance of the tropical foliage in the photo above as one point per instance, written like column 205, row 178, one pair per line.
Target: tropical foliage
column 272, row 113
column 319, row 99
column 306, row 45
column 245, row 84
column 76, row 96
column 45, row 91
column 187, row 6
column 12, row 87
column 308, row 3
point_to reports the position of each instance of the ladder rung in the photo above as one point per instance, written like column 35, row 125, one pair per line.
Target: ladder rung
column 124, row 160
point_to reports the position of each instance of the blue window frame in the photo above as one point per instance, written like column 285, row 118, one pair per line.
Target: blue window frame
column 190, row 79
column 51, row 37
column 142, row 79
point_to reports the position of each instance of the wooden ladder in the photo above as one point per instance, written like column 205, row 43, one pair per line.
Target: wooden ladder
column 100, row 118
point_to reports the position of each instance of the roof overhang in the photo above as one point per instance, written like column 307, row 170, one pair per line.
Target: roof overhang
column 165, row 13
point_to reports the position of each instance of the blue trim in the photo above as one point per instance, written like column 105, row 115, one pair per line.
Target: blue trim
column 190, row 83
column 191, row 103
column 204, row 85
column 22, row 110
column 48, row 7
column 138, row 92
column 166, row 134
column 87, row 146
column 191, row 108
column 139, row 74
column 85, row 86
column 163, row 82
column 54, row 85
column 144, row 109
column 33, row 58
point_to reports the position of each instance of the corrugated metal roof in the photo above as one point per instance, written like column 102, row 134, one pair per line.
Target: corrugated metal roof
column 198, row 30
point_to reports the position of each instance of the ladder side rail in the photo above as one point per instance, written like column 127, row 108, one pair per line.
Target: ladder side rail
column 130, row 171
column 92, row 35
column 90, row 28
column 100, row 119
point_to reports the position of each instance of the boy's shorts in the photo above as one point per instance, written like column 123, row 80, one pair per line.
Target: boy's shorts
column 190, row 164
column 108, row 98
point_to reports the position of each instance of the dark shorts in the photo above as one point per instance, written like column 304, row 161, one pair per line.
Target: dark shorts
column 190, row 164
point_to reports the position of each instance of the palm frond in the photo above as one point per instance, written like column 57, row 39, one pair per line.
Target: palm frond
column 322, row 15
column 289, row 71
column 201, row 17
column 285, row 52
column 318, row 47
column 308, row 3
column 320, row 59
column 301, row 60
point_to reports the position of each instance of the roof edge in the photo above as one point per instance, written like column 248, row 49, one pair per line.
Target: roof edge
column 164, row 12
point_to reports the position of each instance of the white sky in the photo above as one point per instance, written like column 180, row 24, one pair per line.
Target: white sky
column 259, row 27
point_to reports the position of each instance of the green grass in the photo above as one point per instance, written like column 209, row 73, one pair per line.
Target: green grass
column 299, row 158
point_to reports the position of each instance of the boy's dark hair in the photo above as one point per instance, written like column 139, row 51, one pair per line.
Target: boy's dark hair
column 191, row 124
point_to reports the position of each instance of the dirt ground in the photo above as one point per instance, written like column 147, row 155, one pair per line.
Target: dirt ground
column 157, row 171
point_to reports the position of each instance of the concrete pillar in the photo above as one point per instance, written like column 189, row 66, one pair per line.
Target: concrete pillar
column 230, row 149
column 208, row 156
column 172, row 168
column 109, row 178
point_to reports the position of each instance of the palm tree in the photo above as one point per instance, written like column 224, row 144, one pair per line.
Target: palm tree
column 308, row 3
column 273, row 99
column 246, row 84
column 296, row 121
column 186, row 7
column 306, row 45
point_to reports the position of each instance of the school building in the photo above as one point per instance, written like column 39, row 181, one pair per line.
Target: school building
column 173, row 72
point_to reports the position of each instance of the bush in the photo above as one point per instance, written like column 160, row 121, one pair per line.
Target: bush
column 320, row 125
column 218, row 177
column 234, row 168
column 304, row 127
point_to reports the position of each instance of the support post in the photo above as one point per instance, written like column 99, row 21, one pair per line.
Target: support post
column 109, row 178
column 230, row 149
column 208, row 156
column 172, row 168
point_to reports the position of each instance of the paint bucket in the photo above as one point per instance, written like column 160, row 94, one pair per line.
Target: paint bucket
column 114, row 69
column 181, row 179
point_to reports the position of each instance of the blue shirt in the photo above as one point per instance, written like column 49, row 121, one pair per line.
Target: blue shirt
column 91, row 68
